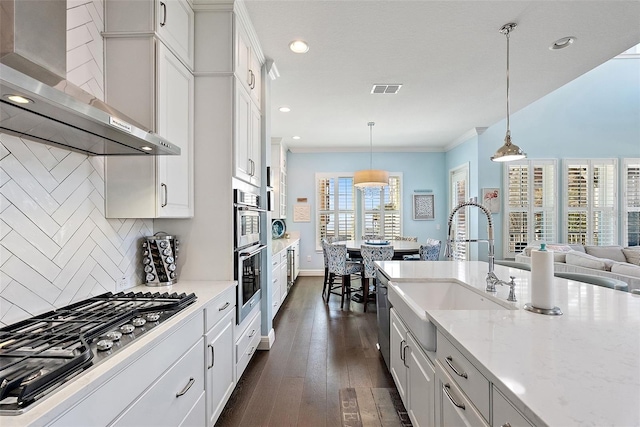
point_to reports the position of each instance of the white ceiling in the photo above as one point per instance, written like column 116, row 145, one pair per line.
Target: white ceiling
column 448, row 55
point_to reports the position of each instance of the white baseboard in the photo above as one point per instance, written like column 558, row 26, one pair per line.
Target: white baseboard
column 267, row 342
column 311, row 273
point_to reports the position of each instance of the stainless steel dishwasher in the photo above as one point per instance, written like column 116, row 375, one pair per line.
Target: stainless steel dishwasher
column 383, row 306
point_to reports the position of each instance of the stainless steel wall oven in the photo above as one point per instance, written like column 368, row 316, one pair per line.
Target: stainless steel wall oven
column 248, row 251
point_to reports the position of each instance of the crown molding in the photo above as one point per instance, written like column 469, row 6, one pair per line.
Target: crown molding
column 213, row 5
column 471, row 133
column 366, row 150
column 242, row 13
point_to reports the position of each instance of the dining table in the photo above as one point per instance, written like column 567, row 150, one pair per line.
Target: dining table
column 400, row 247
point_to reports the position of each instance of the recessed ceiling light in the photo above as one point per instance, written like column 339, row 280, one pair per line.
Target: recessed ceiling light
column 18, row 99
column 284, row 109
column 145, row 148
column 563, row 42
column 296, row 137
column 299, row 46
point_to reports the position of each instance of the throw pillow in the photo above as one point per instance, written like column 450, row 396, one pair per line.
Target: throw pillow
column 609, row 252
column 632, row 256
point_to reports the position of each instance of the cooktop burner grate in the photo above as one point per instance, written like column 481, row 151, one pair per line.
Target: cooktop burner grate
column 38, row 354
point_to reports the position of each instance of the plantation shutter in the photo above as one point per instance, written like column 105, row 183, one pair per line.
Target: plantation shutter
column 382, row 210
column 590, row 202
column 631, row 180
column 530, row 204
column 459, row 223
column 336, row 212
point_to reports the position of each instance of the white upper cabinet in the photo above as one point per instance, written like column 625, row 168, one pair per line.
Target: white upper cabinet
column 247, row 65
column 279, row 175
column 146, row 81
column 247, row 138
column 171, row 20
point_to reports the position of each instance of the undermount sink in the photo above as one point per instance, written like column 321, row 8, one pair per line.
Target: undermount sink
column 412, row 299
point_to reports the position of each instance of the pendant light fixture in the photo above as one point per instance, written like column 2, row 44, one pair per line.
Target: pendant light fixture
column 508, row 152
column 371, row 178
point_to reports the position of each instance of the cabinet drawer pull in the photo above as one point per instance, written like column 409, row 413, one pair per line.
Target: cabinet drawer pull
column 447, row 390
column 227, row 304
column 253, row 332
column 213, row 356
column 506, row 424
column 449, row 359
column 404, row 355
column 251, row 350
column 166, row 194
column 164, row 14
column 186, row 388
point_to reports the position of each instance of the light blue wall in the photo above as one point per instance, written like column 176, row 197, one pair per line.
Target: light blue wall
column 595, row 116
column 419, row 171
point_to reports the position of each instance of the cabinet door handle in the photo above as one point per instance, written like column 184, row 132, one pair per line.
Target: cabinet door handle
column 447, row 390
column 166, row 194
column 449, row 359
column 164, row 14
column 186, row 388
column 253, row 80
column 404, row 355
column 227, row 304
column 401, row 349
column 213, row 356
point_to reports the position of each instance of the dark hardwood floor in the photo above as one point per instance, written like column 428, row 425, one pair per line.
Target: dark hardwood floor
column 318, row 350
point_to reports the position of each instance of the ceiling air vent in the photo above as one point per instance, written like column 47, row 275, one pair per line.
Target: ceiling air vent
column 386, row 88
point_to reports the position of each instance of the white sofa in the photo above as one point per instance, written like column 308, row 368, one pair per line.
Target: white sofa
column 607, row 261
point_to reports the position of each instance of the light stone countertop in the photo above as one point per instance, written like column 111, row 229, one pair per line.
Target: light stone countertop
column 89, row 380
column 279, row 245
column 581, row 368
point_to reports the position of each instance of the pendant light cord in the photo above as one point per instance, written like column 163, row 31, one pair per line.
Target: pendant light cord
column 371, row 144
column 507, row 34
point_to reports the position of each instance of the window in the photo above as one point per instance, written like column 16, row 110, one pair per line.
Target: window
column 458, row 193
column 631, row 202
column 382, row 210
column 590, row 213
column 336, row 206
column 530, row 204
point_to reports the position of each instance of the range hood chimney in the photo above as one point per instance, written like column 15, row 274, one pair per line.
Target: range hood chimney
column 38, row 103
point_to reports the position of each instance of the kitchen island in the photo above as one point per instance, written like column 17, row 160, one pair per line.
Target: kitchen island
column 580, row 368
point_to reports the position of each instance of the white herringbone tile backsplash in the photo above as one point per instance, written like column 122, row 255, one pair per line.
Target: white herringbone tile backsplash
column 56, row 246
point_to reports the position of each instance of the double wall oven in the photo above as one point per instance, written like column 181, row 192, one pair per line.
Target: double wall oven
column 248, row 251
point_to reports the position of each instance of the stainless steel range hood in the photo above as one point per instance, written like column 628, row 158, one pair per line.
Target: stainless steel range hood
column 51, row 109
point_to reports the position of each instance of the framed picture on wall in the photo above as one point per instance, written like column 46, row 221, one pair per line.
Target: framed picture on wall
column 491, row 199
column 423, row 207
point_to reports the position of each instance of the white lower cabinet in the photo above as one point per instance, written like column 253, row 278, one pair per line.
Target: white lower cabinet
column 220, row 380
column 159, row 387
column 453, row 407
column 504, row 414
column 170, row 400
column 247, row 344
column 413, row 373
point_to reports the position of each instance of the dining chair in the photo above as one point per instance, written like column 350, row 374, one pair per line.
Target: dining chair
column 328, row 277
column 430, row 251
column 370, row 254
column 605, row 282
column 341, row 267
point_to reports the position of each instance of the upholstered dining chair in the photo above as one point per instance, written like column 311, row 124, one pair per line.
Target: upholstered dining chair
column 370, row 254
column 328, row 278
column 340, row 266
column 430, row 251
